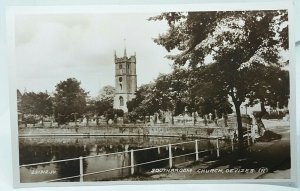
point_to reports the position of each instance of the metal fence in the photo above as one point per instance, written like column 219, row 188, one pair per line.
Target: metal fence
column 132, row 152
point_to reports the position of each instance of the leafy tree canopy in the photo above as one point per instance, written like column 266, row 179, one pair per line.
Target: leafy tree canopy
column 226, row 49
column 36, row 103
column 69, row 99
column 107, row 93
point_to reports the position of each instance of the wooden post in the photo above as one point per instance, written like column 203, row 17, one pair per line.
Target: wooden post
column 81, row 168
column 218, row 151
column 170, row 156
column 131, row 162
column 196, row 148
column 232, row 145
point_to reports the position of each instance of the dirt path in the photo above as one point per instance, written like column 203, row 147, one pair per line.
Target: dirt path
column 263, row 160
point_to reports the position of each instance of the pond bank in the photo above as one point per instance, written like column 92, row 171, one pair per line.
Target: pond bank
column 161, row 131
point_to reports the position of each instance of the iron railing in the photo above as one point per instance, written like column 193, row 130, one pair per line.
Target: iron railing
column 132, row 165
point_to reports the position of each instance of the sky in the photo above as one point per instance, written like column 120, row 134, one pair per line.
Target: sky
column 50, row 48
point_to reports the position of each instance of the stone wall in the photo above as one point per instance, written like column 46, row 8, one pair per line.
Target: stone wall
column 204, row 132
column 137, row 130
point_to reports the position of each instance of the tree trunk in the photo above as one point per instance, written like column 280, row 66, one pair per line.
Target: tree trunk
column 97, row 120
column 75, row 119
column 42, row 121
column 240, row 126
column 87, row 121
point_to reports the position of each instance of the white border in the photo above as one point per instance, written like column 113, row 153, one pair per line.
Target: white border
column 11, row 11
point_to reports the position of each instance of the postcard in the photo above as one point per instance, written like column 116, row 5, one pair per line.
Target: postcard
column 182, row 93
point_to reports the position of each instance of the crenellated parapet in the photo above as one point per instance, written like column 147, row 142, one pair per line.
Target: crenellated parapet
column 125, row 59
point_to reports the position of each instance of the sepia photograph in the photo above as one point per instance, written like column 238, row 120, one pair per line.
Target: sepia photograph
column 153, row 96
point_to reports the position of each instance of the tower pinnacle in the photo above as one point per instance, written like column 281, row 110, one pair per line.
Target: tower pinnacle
column 125, row 54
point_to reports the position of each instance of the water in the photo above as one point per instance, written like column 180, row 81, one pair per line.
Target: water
column 44, row 149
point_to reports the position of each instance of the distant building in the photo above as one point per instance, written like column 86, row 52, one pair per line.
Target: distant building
column 125, row 80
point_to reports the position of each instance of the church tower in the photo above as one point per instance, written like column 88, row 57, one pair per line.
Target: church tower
column 125, row 80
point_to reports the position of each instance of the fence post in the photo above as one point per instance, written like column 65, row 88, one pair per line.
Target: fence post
column 170, row 156
column 232, row 145
column 196, row 148
column 218, row 151
column 131, row 162
column 81, row 168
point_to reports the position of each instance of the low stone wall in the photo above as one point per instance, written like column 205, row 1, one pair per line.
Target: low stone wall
column 137, row 130
column 203, row 132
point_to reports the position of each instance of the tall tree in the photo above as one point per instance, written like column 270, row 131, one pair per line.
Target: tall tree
column 177, row 92
column 145, row 102
column 233, row 43
column 272, row 90
column 36, row 104
column 105, row 100
column 207, row 94
column 69, row 99
column 102, row 106
column 107, row 93
column 27, row 104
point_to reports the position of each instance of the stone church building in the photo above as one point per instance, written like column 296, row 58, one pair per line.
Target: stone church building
column 125, row 80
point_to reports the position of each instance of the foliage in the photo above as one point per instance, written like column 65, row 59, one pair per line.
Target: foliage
column 69, row 99
column 30, row 119
column 133, row 116
column 176, row 92
column 112, row 113
column 105, row 100
column 272, row 87
column 145, row 102
column 102, row 106
column 107, row 93
column 119, row 112
column 36, row 103
column 225, row 49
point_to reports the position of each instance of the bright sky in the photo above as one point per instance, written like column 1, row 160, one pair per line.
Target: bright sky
column 51, row 48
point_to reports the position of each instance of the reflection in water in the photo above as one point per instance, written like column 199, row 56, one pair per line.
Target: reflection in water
column 34, row 150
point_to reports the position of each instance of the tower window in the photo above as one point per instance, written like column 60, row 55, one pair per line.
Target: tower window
column 120, row 66
column 121, row 101
column 120, row 79
column 120, row 86
column 127, row 66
